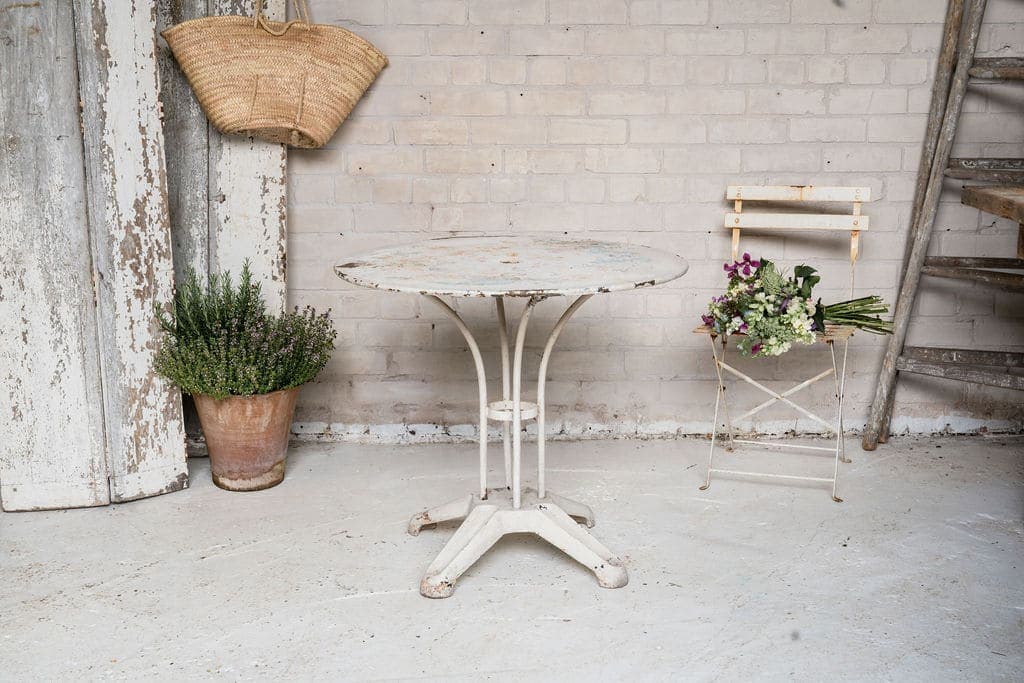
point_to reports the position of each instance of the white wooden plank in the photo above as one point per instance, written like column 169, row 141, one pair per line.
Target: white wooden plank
column 126, row 183
column 51, row 430
column 797, row 193
column 248, row 195
column 796, row 221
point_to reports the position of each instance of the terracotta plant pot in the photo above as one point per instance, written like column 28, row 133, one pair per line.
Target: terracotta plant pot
column 247, row 437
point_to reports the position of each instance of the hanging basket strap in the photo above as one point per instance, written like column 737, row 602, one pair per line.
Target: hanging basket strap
column 301, row 13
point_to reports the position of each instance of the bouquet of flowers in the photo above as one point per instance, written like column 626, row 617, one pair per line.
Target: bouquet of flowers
column 773, row 310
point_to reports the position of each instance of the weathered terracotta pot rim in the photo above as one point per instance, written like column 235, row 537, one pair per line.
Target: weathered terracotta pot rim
column 230, row 397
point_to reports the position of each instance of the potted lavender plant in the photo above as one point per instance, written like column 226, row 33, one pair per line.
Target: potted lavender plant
column 243, row 367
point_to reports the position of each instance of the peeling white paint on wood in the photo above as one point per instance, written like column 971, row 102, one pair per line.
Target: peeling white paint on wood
column 187, row 145
column 187, row 152
column 248, row 194
column 51, row 413
column 126, row 182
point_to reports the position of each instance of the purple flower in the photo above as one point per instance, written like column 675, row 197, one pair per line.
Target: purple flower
column 754, row 349
column 743, row 327
column 707, row 319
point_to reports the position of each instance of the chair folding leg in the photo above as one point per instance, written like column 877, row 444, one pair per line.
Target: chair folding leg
column 714, row 437
column 841, row 393
column 838, row 451
column 839, row 421
column 720, row 401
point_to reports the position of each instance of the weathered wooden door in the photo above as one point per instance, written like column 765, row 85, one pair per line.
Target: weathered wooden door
column 84, row 256
column 91, row 232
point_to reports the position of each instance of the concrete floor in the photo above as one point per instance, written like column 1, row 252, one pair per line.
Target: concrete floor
column 917, row 576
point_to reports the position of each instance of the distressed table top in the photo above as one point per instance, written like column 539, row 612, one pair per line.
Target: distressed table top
column 512, row 266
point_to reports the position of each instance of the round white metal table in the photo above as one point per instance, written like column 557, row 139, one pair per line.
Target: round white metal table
column 502, row 267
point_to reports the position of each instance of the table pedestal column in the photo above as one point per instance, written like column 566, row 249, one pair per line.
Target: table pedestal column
column 492, row 513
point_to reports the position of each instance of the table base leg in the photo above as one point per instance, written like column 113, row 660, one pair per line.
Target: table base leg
column 487, row 521
column 456, row 509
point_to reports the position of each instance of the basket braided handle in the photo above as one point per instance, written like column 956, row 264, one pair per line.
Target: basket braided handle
column 301, row 14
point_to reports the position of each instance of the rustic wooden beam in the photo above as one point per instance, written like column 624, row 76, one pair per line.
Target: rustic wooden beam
column 51, row 431
column 975, row 262
column 187, row 148
column 921, row 228
column 187, row 151
column 131, row 244
column 1001, row 170
column 1001, row 200
column 1008, row 359
column 998, row 68
column 993, row 377
column 248, row 194
column 1003, row 163
column 1011, row 282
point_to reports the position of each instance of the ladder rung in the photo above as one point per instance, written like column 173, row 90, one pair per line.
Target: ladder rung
column 1009, row 281
column 995, row 170
column 963, row 372
column 938, row 354
column 997, row 67
column 975, row 262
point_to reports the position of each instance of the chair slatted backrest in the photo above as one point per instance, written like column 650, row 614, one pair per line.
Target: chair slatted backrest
column 852, row 222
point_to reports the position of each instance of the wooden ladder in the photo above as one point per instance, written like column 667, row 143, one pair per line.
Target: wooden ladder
column 957, row 65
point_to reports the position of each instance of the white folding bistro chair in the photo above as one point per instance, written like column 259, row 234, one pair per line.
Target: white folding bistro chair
column 737, row 220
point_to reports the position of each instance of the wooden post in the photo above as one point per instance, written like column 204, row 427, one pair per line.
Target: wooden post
column 130, row 235
column 187, row 149
column 52, row 453
column 248, row 194
column 921, row 230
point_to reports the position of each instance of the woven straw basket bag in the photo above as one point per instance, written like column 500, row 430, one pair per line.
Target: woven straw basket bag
column 289, row 82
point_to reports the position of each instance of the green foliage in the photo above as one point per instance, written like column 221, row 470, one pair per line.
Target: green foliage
column 772, row 280
column 770, row 311
column 861, row 313
column 221, row 341
column 805, row 275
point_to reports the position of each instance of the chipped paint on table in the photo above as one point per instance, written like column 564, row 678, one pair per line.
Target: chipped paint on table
column 512, row 266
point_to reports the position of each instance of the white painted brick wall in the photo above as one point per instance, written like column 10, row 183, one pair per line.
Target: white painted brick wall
column 625, row 120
